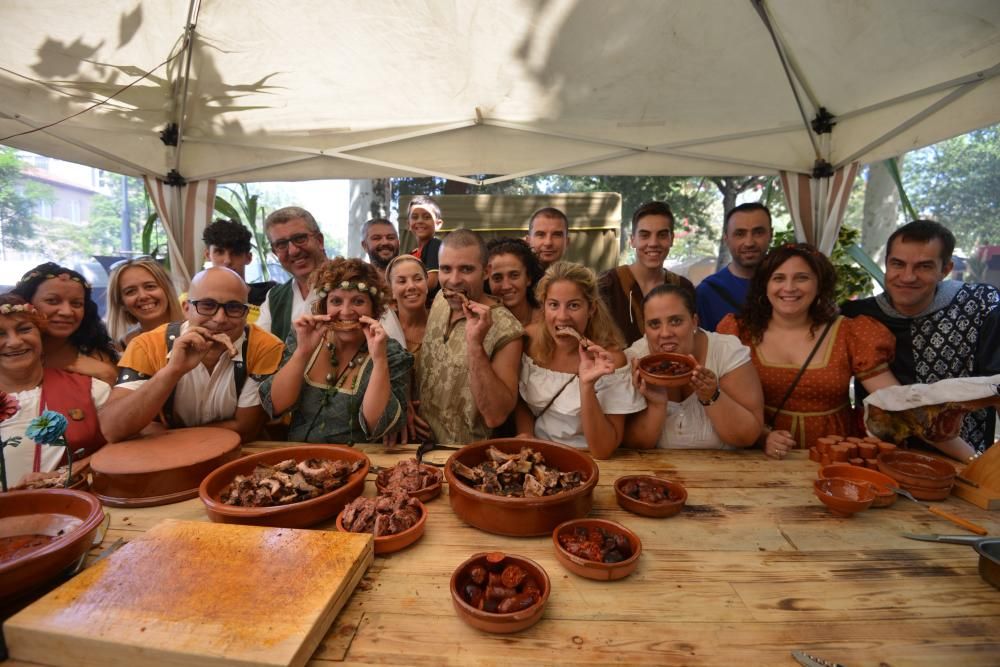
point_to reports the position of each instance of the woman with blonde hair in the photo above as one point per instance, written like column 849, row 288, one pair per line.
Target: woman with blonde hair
column 575, row 384
column 407, row 278
column 141, row 297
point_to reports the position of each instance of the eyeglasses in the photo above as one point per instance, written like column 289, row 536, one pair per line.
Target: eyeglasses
column 298, row 240
column 130, row 260
column 209, row 307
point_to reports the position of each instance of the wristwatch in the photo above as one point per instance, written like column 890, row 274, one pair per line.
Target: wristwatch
column 715, row 396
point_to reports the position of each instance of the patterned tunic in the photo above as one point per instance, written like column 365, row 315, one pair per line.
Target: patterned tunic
column 821, row 404
column 446, row 400
column 957, row 336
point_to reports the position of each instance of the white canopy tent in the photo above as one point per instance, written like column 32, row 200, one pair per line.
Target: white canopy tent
column 270, row 90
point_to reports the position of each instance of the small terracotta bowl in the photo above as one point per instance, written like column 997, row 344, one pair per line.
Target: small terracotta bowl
column 73, row 516
column 675, row 491
column 883, row 496
column 592, row 569
column 499, row 623
column 522, row 517
column 662, row 379
column 844, row 497
column 915, row 469
column 388, row 544
column 296, row 515
column 424, row 495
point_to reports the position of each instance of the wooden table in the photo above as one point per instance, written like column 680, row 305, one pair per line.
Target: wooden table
column 753, row 568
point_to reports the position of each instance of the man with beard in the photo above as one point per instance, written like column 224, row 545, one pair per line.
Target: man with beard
column 297, row 242
column 381, row 242
column 470, row 359
column 747, row 233
column 201, row 372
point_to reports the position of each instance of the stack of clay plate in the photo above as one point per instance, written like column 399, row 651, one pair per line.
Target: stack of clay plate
column 926, row 477
column 862, row 452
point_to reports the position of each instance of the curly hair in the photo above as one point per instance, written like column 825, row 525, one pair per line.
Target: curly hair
column 228, row 234
column 119, row 318
column 757, row 310
column 520, row 249
column 91, row 337
column 33, row 316
column 601, row 329
column 335, row 271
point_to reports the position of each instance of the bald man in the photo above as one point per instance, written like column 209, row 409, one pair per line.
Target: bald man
column 201, row 372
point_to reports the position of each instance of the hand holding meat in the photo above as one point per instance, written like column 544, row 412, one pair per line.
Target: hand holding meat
column 310, row 331
column 375, row 335
column 478, row 321
column 190, row 349
column 595, row 363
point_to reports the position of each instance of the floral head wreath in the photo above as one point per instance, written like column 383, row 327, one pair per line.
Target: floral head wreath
column 31, row 275
column 10, row 309
column 363, row 287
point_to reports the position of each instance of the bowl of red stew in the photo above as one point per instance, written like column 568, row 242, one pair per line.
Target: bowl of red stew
column 650, row 496
column 597, row 548
column 498, row 592
column 667, row 369
column 42, row 534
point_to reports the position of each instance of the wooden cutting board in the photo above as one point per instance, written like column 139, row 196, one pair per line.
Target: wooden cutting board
column 195, row 593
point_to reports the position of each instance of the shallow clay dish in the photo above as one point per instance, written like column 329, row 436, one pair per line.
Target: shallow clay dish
column 521, row 517
column 883, row 496
column 915, row 469
column 650, row 361
column 844, row 497
column 675, row 491
column 160, row 469
column 388, row 544
column 46, row 512
column 295, row 515
column 499, row 623
column 593, row 569
column 425, row 494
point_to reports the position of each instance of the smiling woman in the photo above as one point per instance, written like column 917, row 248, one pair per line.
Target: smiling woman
column 141, row 297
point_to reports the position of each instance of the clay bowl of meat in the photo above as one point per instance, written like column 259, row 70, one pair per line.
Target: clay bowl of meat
column 650, row 496
column 290, row 487
column 420, row 480
column 667, row 369
column 396, row 519
column 912, row 469
column 844, row 497
column 881, row 483
column 597, row 548
column 42, row 534
column 520, row 486
column 501, row 593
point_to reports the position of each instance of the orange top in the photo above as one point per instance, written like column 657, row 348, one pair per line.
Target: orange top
column 820, row 405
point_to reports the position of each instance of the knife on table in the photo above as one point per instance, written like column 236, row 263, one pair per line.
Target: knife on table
column 808, row 660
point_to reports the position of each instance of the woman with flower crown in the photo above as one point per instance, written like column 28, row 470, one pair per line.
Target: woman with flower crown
column 31, row 388
column 342, row 377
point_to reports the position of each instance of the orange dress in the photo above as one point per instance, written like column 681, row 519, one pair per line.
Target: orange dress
column 820, row 405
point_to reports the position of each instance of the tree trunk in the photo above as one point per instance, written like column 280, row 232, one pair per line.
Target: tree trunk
column 881, row 211
column 363, row 196
column 730, row 189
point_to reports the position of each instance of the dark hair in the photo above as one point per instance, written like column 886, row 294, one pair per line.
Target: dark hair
column 749, row 207
column 228, row 234
column 424, row 202
column 653, row 208
column 465, row 238
column 368, row 224
column 520, row 249
column 91, row 336
column 925, row 231
column 756, row 314
column 548, row 212
column 685, row 294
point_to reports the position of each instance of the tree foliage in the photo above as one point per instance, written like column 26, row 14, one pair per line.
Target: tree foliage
column 18, row 198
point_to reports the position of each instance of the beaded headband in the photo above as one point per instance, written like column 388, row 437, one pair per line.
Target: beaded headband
column 326, row 288
column 10, row 309
column 31, row 275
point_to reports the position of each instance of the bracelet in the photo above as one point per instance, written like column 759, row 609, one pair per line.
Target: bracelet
column 714, row 398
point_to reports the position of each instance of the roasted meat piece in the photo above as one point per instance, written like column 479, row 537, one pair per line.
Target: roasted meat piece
column 387, row 514
column 287, row 482
column 646, row 491
column 596, row 544
column 408, row 476
column 521, row 475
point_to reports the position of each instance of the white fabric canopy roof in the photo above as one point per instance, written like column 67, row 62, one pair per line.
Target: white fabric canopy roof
column 362, row 88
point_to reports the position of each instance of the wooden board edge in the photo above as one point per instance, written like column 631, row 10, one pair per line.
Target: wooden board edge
column 984, row 498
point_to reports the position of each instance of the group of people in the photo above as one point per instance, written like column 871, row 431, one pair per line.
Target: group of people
column 460, row 340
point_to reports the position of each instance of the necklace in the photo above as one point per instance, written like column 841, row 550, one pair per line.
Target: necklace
column 359, row 357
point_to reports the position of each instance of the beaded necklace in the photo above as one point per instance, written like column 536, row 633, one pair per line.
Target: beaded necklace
column 336, row 383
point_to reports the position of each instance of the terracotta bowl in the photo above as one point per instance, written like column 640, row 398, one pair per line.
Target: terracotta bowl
column 391, row 543
column 46, row 512
column 844, row 497
column 924, row 493
column 883, row 496
column 661, row 379
column 296, row 515
column 426, row 494
column 915, row 469
column 499, row 623
column 593, row 569
column 522, row 517
column 675, row 491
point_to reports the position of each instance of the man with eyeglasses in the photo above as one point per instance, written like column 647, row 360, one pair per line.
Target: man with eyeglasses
column 298, row 244
column 202, row 372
